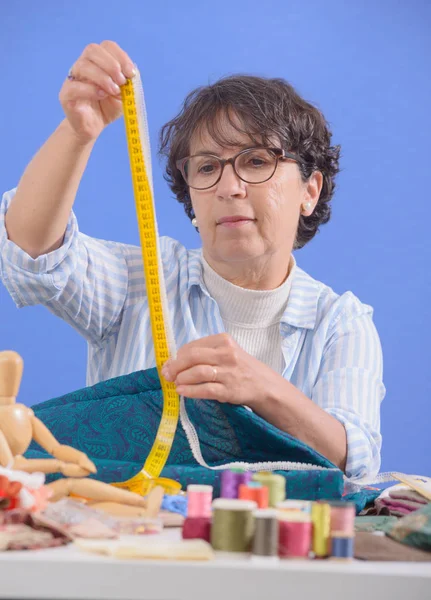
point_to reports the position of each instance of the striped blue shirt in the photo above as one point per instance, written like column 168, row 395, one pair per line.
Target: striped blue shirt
column 331, row 348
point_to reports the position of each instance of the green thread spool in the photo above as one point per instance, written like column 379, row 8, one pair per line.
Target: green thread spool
column 276, row 485
column 232, row 525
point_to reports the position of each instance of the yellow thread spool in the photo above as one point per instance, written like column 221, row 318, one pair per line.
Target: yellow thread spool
column 321, row 517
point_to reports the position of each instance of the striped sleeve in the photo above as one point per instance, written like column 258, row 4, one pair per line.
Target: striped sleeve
column 84, row 282
column 349, row 385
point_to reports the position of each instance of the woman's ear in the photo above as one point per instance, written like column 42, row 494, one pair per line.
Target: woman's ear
column 313, row 187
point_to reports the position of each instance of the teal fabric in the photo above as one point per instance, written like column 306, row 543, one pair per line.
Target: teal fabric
column 363, row 498
column 114, row 422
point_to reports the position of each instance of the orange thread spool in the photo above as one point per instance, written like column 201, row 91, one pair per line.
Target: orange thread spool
column 256, row 492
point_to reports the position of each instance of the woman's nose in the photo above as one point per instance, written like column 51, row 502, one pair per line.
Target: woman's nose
column 230, row 184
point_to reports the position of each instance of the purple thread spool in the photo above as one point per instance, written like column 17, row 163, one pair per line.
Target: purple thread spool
column 231, row 480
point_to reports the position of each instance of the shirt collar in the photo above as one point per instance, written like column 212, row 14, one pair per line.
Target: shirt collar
column 301, row 309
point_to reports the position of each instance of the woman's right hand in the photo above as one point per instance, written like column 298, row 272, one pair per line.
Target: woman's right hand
column 92, row 100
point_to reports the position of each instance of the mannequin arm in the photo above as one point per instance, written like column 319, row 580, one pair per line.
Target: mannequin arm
column 44, row 437
column 6, row 457
column 48, row 465
column 43, row 465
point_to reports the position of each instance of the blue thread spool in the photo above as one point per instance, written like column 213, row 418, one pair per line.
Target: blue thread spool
column 342, row 546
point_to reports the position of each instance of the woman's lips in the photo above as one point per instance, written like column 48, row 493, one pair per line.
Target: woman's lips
column 238, row 221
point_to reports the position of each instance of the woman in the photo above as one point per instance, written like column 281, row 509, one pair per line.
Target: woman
column 252, row 164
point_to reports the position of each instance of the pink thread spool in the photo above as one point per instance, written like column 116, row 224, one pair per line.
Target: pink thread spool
column 343, row 517
column 199, row 499
column 294, row 539
column 197, row 528
column 198, row 522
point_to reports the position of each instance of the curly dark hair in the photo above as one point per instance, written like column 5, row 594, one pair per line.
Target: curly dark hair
column 267, row 109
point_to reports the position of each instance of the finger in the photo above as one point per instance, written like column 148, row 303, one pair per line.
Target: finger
column 113, row 65
column 189, row 357
column 79, row 90
column 85, row 463
column 80, row 472
column 71, row 470
column 85, row 70
column 198, row 374
column 211, row 341
column 204, row 391
column 126, row 63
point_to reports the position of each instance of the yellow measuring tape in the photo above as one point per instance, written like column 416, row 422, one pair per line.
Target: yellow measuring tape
column 148, row 477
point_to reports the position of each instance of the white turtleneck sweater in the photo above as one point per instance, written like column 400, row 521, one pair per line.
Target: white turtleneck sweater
column 252, row 317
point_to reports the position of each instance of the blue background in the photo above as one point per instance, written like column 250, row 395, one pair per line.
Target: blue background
column 365, row 65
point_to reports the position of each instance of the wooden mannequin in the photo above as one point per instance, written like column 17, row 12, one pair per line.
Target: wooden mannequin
column 19, row 426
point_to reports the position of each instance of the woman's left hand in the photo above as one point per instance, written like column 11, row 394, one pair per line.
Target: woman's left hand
column 216, row 368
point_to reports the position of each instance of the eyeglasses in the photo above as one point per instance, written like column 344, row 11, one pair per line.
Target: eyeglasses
column 253, row 165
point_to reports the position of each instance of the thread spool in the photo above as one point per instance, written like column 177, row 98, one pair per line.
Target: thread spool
column 197, row 528
column 276, row 485
column 321, row 518
column 342, row 546
column 232, row 525
column 256, row 492
column 197, row 525
column 199, row 499
column 265, row 540
column 231, row 480
column 295, row 505
column 343, row 517
column 294, row 540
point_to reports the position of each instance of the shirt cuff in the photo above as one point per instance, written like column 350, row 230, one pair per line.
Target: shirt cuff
column 363, row 447
column 15, row 263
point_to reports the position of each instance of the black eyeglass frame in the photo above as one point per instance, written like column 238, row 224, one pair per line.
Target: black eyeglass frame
column 280, row 154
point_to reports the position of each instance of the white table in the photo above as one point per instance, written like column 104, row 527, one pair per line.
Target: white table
column 68, row 573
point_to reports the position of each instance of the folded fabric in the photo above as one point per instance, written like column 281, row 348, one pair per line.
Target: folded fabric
column 414, row 529
column 21, row 530
column 399, row 500
column 115, row 422
column 404, row 492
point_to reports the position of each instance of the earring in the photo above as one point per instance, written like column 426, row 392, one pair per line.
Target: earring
column 194, row 222
column 307, row 206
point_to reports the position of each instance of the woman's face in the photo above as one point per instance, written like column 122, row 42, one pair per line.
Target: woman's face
column 269, row 211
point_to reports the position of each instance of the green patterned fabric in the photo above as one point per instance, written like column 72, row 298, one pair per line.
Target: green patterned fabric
column 114, row 422
column 374, row 523
column 414, row 529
